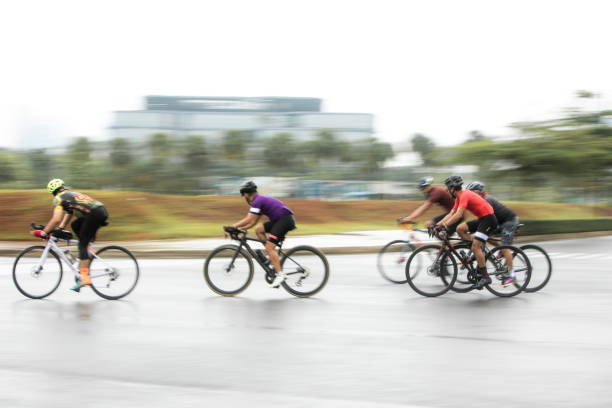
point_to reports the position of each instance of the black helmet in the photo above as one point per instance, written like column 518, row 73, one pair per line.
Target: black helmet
column 424, row 182
column 454, row 182
column 248, row 187
column 476, row 186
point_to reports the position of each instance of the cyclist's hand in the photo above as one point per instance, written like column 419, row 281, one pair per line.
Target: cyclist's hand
column 40, row 234
column 404, row 220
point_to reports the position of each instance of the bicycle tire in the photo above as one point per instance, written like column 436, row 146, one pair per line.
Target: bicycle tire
column 299, row 255
column 497, row 273
column 54, row 283
column 124, row 265
column 218, row 253
column 394, row 272
column 429, row 281
column 535, row 265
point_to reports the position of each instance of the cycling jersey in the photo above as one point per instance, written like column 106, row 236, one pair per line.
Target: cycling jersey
column 75, row 203
column 438, row 195
column 502, row 213
column 473, row 203
column 270, row 207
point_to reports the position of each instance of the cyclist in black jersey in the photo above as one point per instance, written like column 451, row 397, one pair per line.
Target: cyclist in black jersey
column 507, row 221
column 90, row 216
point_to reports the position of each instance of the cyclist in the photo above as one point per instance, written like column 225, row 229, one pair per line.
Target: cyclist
column 469, row 200
column 507, row 221
column 90, row 216
column 280, row 222
column 433, row 195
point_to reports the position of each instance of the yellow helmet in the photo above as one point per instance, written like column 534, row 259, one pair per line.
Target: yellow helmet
column 54, row 185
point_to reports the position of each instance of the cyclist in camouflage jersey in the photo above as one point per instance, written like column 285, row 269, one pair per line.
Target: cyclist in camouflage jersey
column 90, row 216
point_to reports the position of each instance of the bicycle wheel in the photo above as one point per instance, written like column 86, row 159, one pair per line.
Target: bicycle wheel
column 307, row 270
column 425, row 274
column 392, row 259
column 114, row 273
column 33, row 279
column 463, row 284
column 541, row 267
column 228, row 271
column 498, row 271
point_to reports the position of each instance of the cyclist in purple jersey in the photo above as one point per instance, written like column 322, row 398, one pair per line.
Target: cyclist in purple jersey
column 271, row 232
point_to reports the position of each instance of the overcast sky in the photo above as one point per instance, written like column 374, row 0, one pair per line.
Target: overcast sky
column 442, row 68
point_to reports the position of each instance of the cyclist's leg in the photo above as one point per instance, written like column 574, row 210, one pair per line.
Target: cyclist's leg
column 485, row 225
column 466, row 229
column 508, row 229
column 87, row 232
column 277, row 233
column 262, row 229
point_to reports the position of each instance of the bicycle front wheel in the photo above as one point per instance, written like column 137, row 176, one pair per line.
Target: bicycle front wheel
column 541, row 267
column 34, row 277
column 228, row 271
column 431, row 272
column 307, row 270
column 498, row 270
column 392, row 259
column 114, row 272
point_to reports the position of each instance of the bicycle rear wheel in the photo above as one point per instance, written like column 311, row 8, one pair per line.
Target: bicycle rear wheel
column 307, row 270
column 425, row 274
column 498, row 271
column 34, row 279
column 392, row 259
column 228, row 271
column 541, row 267
column 114, row 273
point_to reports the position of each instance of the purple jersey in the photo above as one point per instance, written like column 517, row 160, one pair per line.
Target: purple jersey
column 270, row 207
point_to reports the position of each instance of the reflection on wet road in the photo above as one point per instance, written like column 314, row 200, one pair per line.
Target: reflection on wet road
column 360, row 342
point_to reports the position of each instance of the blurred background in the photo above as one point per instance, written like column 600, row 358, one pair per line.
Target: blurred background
column 174, row 98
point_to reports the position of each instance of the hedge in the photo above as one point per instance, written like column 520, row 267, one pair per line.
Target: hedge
column 542, row 227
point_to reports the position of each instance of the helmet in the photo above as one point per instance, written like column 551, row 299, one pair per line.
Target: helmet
column 54, row 185
column 476, row 186
column 454, row 181
column 424, row 182
column 248, row 187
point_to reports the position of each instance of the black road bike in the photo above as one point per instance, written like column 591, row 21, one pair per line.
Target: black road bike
column 433, row 270
column 228, row 269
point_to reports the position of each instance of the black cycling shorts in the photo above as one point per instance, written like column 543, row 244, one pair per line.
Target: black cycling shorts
column 451, row 228
column 483, row 227
column 278, row 229
column 86, row 227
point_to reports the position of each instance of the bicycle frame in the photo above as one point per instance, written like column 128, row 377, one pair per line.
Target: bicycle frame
column 52, row 246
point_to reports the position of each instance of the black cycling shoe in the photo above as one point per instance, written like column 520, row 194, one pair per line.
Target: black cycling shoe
column 482, row 282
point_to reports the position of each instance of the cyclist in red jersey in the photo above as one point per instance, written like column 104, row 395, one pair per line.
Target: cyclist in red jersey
column 433, row 195
column 469, row 200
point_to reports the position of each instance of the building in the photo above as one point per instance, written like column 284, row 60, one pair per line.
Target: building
column 260, row 116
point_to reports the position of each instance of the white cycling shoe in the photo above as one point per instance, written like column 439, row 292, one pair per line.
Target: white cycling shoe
column 278, row 279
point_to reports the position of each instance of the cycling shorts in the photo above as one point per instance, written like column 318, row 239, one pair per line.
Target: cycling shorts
column 483, row 227
column 86, row 227
column 278, row 229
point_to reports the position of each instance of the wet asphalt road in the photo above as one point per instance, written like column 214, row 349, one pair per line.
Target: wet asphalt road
column 362, row 342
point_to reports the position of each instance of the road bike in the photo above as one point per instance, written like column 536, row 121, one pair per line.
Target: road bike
column 433, row 270
column 228, row 269
column 391, row 260
column 541, row 264
column 38, row 270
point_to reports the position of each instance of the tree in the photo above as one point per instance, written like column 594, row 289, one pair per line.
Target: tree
column 280, row 151
column 120, row 154
column 160, row 146
column 424, row 146
column 234, row 144
column 375, row 153
column 78, row 163
column 195, row 154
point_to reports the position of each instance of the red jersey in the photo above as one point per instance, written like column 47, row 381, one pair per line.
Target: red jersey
column 473, row 203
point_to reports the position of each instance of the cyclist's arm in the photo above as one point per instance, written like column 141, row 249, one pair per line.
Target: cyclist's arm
column 58, row 213
column 452, row 217
column 416, row 213
column 65, row 220
column 247, row 222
